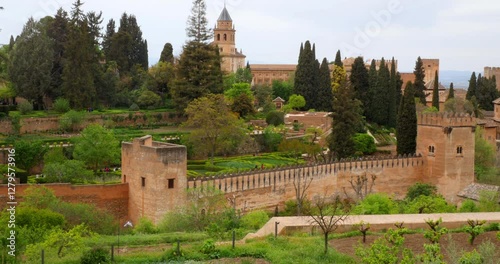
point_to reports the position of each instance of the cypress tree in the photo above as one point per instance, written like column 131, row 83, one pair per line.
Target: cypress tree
column 451, row 93
column 58, row 32
column 486, row 92
column 11, row 42
column 392, row 96
column 306, row 76
column 471, row 91
column 325, row 95
column 373, row 83
column 106, row 39
column 167, row 54
column 338, row 59
column 359, row 79
column 406, row 130
column 382, row 98
column 419, row 83
column 435, row 92
column 346, row 117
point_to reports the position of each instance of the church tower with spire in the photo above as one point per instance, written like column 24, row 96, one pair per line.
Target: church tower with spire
column 225, row 39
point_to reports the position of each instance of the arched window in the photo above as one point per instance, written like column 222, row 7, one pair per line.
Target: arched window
column 225, row 37
column 218, row 37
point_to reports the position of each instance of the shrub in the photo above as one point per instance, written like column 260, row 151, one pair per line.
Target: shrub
column 148, row 98
column 254, row 220
column 427, row 205
column 61, row 105
column 145, row 226
column 71, row 120
column 95, row 255
column 468, row 206
column 418, row 189
column 364, row 143
column 376, row 203
column 209, row 249
column 25, row 107
column 275, row 118
column 488, row 201
column 134, row 107
column 472, row 257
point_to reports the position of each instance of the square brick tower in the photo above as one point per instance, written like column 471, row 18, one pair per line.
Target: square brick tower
column 156, row 174
column 446, row 141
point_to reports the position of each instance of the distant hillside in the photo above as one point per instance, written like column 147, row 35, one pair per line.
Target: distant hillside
column 460, row 79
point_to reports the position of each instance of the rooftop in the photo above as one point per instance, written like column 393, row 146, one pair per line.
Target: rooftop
column 224, row 15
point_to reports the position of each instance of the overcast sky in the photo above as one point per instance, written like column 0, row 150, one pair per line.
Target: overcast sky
column 463, row 34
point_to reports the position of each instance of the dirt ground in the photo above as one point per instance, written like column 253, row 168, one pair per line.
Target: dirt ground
column 415, row 242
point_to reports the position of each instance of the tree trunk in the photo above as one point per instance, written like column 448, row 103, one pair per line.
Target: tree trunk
column 326, row 242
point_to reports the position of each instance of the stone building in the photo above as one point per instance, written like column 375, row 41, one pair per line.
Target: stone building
column 225, row 39
column 489, row 72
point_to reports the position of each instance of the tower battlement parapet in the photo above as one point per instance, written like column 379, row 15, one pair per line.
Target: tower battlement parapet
column 446, row 119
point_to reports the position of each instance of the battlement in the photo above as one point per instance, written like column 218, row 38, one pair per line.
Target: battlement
column 491, row 69
column 446, row 120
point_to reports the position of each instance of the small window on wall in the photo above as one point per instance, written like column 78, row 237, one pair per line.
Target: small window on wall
column 143, row 182
column 431, row 150
column 124, row 178
column 225, row 37
column 218, row 37
column 171, row 183
column 460, row 150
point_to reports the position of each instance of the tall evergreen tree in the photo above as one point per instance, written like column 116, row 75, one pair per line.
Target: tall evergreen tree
column 383, row 96
column 486, row 92
column 108, row 36
column 451, row 93
column 199, row 69
column 396, row 83
column 197, row 28
column 58, row 32
column 167, row 54
column 373, row 87
column 435, row 92
column 80, row 59
column 346, row 117
column 338, row 59
column 359, row 79
column 11, row 42
column 471, row 91
column 31, row 64
column 306, row 75
column 419, row 83
column 406, row 130
column 325, row 95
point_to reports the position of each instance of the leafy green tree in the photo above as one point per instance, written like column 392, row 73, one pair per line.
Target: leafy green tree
column 61, row 105
column 419, row 84
column 346, row 117
column 359, row 79
column 238, row 89
column 161, row 78
column 435, row 92
column 244, row 75
column 72, row 120
column 282, row 89
column 471, row 91
column 296, row 101
column 376, row 203
column 214, row 126
column 424, row 204
column 458, row 105
column 451, row 93
column 167, row 54
column 254, row 220
column 293, row 147
column 31, row 62
column 263, row 96
column 406, row 130
column 275, row 118
column 243, row 105
column 484, row 156
column 272, row 138
column 69, row 171
column 97, row 147
column 32, row 153
column 325, row 95
column 419, row 189
column 148, row 98
column 364, row 143
column 307, row 75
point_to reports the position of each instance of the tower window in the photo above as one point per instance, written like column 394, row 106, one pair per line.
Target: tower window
column 143, row 182
column 171, row 183
column 431, row 149
column 225, row 37
column 460, row 150
column 218, row 37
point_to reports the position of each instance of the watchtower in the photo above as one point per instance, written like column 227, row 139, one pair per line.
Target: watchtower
column 446, row 141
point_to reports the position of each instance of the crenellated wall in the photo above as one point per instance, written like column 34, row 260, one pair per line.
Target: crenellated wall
column 270, row 188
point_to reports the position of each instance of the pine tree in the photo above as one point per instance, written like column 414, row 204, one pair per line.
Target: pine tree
column 419, row 83
column 373, row 83
column 325, row 95
column 338, row 59
column 406, row 130
column 197, row 28
column 435, row 92
column 58, row 32
column 306, row 75
column 198, row 71
column 451, row 93
column 167, row 54
column 108, row 36
column 359, row 79
column 471, row 91
column 346, row 117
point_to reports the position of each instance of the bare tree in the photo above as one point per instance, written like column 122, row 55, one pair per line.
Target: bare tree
column 328, row 213
column 361, row 185
column 301, row 183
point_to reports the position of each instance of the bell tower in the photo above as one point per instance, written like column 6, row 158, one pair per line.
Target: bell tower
column 225, row 39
